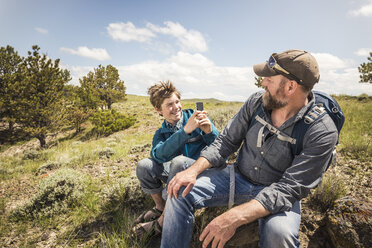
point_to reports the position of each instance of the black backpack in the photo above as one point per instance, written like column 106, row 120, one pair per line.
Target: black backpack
column 324, row 104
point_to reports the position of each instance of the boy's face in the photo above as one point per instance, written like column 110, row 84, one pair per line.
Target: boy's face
column 171, row 109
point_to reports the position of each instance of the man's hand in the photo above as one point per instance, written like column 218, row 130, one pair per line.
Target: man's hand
column 204, row 123
column 192, row 123
column 220, row 230
column 187, row 177
column 184, row 178
column 223, row 227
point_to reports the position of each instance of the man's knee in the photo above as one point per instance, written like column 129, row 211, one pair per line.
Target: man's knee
column 278, row 234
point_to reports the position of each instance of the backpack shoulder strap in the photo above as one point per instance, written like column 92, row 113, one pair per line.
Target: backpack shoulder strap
column 301, row 127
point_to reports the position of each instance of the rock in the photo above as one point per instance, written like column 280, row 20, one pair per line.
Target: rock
column 349, row 223
column 245, row 236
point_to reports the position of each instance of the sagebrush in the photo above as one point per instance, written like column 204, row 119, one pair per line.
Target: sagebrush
column 56, row 193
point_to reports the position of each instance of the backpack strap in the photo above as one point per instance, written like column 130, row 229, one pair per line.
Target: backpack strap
column 301, row 127
column 258, row 116
column 280, row 135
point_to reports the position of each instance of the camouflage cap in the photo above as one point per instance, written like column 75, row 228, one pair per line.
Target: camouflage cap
column 301, row 65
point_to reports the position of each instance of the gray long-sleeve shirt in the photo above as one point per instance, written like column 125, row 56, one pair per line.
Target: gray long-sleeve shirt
column 287, row 178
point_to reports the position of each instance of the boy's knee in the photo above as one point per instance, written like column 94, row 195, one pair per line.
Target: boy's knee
column 178, row 164
column 179, row 160
column 143, row 166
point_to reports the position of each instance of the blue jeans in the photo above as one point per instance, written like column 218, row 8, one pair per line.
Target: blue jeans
column 153, row 175
column 212, row 189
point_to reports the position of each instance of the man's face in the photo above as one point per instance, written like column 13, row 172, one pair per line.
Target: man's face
column 171, row 109
column 274, row 97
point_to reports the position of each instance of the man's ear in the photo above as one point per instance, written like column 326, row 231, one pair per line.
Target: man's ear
column 159, row 111
column 292, row 87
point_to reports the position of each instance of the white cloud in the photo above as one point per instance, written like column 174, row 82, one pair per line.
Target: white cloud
column 190, row 60
column 128, row 32
column 196, row 76
column 363, row 52
column 41, row 30
column 339, row 76
column 365, row 10
column 83, row 51
column 189, row 40
column 328, row 61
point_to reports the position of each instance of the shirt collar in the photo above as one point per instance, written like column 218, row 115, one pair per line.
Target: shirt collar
column 176, row 126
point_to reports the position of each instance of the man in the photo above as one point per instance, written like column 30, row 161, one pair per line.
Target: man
column 269, row 180
column 175, row 146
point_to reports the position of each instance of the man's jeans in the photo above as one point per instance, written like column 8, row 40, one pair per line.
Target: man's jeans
column 152, row 175
column 212, row 189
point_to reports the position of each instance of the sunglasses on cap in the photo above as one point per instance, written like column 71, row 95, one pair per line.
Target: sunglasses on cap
column 273, row 64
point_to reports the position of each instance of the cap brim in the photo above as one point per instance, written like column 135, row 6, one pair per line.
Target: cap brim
column 263, row 70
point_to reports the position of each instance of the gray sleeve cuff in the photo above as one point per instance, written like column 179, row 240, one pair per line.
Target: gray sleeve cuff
column 273, row 201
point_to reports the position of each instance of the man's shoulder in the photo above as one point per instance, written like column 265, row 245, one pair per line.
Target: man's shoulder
column 254, row 100
column 255, row 97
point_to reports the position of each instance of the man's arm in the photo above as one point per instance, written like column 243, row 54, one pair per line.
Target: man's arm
column 306, row 170
column 233, row 134
column 223, row 227
column 187, row 177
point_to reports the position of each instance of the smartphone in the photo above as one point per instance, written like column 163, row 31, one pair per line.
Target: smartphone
column 199, row 106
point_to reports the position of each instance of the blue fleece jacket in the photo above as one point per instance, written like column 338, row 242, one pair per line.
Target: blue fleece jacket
column 167, row 144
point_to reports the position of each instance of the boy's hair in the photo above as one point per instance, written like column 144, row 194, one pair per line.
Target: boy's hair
column 161, row 91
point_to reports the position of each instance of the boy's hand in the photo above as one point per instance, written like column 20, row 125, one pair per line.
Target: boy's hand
column 204, row 123
column 192, row 123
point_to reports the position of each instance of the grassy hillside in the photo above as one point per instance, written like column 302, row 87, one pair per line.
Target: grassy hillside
column 103, row 213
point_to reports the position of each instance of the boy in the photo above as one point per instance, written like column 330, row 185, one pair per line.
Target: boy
column 175, row 146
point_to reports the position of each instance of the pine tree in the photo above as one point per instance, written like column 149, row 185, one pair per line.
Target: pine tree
column 365, row 70
column 76, row 113
column 10, row 77
column 258, row 82
column 102, row 87
column 40, row 109
column 88, row 92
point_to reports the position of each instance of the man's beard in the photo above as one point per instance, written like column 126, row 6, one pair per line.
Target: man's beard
column 270, row 103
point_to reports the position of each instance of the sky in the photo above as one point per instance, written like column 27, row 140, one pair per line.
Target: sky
column 207, row 48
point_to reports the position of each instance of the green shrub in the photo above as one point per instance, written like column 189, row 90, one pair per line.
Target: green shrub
column 76, row 143
column 48, row 167
column 107, row 152
column 56, row 193
column 331, row 189
column 110, row 121
column 125, row 192
column 140, row 148
column 221, row 116
column 31, row 154
column 111, row 142
column 362, row 97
